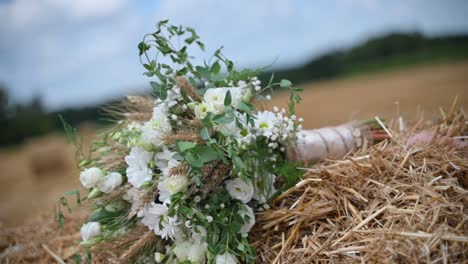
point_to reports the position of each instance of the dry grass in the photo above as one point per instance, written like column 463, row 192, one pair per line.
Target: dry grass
column 393, row 202
column 390, row 203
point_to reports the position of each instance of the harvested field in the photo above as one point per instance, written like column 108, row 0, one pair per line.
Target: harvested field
column 388, row 206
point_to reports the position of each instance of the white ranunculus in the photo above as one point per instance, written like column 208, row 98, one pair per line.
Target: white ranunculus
column 216, row 96
column 226, row 258
column 110, row 182
column 202, row 109
column 90, row 230
column 91, row 176
column 176, row 183
column 196, row 253
column 137, row 170
column 247, row 211
column 172, row 185
column 240, row 190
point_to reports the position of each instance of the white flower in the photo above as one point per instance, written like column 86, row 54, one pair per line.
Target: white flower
column 90, row 230
column 226, row 258
column 247, row 212
column 188, row 250
column 196, row 253
column 181, row 249
column 209, row 218
column 198, row 234
column 172, row 185
column 216, row 96
column 156, row 218
column 265, row 122
column 137, row 170
column 264, row 187
column 202, row 109
column 151, row 136
column 158, row 257
column 240, row 190
column 90, row 177
column 165, row 162
column 110, row 182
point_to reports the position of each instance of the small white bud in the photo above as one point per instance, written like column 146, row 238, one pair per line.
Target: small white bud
column 209, row 218
column 275, row 109
column 221, row 205
column 268, row 97
column 197, row 199
column 258, row 88
column 301, row 120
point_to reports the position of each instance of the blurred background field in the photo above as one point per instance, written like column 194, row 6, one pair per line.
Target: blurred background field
column 407, row 66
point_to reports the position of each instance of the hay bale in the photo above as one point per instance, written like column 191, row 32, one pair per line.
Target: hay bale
column 395, row 202
column 47, row 155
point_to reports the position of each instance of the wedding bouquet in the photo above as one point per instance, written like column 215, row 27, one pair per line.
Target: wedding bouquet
column 194, row 163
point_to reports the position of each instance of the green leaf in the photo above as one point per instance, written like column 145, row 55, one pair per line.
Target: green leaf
column 74, row 192
column 245, row 107
column 228, row 98
column 208, row 154
column 285, row 83
column 201, row 45
column 205, row 135
column 194, row 160
column 203, row 72
column 183, row 146
column 215, row 68
column 159, row 90
column 237, row 162
column 77, row 259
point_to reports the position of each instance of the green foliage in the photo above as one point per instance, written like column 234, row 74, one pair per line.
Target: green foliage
column 63, row 203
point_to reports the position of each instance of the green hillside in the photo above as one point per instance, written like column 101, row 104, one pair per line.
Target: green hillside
column 392, row 51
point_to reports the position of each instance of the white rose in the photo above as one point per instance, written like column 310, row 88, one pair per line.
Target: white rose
column 110, row 182
column 196, row 253
column 247, row 211
column 240, row 190
column 90, row 230
column 176, row 183
column 90, row 177
column 226, row 258
column 202, row 109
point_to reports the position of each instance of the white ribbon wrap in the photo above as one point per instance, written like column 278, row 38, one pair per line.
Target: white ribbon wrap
column 329, row 142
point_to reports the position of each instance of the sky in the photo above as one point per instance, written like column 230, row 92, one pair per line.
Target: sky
column 82, row 52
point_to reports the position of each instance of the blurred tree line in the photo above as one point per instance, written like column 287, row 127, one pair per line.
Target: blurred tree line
column 21, row 121
column 396, row 50
column 390, row 51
